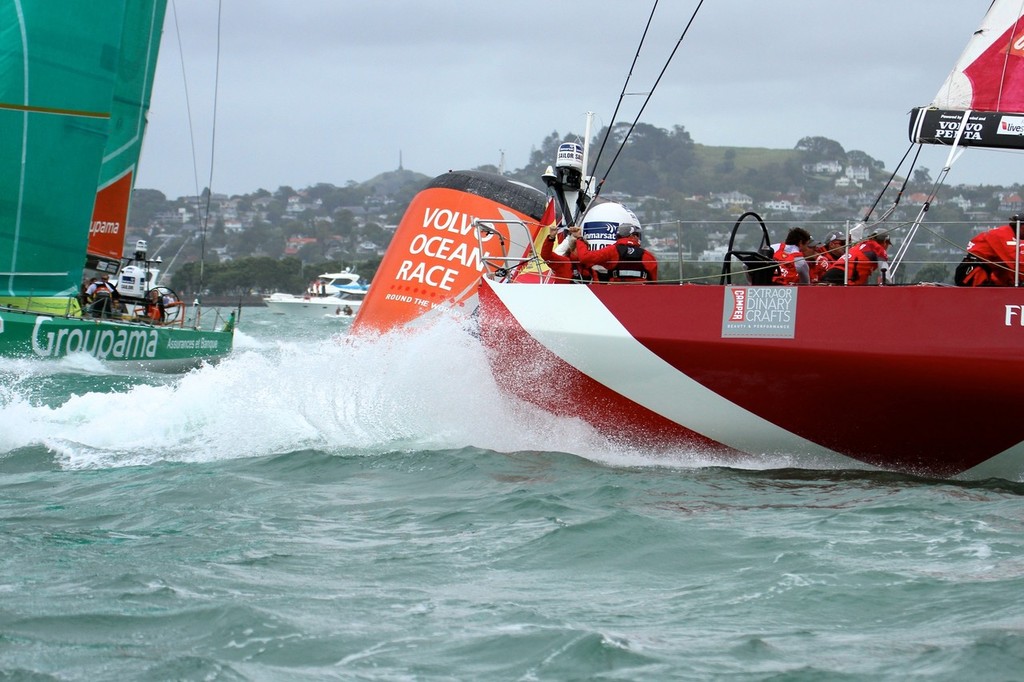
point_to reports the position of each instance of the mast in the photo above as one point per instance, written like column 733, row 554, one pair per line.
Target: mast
column 588, row 180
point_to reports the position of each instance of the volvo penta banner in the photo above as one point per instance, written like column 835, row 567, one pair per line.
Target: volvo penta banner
column 996, row 129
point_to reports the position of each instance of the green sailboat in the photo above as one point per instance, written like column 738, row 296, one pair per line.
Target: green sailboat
column 75, row 85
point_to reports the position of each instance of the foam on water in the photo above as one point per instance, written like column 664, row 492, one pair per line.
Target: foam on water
column 431, row 389
column 75, row 363
column 244, row 341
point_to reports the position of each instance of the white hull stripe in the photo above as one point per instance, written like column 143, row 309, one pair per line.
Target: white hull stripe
column 574, row 325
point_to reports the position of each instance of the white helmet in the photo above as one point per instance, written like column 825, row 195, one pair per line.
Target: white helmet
column 601, row 223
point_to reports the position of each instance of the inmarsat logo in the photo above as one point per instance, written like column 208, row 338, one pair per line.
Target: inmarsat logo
column 1011, row 125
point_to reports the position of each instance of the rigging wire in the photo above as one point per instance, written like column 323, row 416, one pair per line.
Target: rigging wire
column 632, row 126
column 204, row 213
column 625, row 84
column 888, row 183
column 188, row 107
column 904, row 246
column 213, row 147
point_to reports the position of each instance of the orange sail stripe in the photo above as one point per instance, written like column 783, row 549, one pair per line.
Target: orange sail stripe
column 110, row 218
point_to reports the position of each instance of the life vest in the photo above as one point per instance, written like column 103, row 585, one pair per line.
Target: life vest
column 860, row 262
column 991, row 259
column 973, row 272
column 788, row 273
column 822, row 262
column 630, row 266
column 102, row 289
column 863, row 264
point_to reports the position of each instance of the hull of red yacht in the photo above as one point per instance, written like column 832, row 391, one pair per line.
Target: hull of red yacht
column 922, row 380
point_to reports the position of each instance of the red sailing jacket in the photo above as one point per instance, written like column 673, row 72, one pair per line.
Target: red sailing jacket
column 561, row 266
column 996, row 249
column 864, row 259
column 610, row 258
column 822, row 262
column 789, row 268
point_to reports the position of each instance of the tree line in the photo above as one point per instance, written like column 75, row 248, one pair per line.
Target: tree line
column 258, row 275
column 664, row 170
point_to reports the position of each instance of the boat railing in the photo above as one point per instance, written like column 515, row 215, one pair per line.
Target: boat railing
column 133, row 313
column 71, row 305
column 220, row 322
column 227, row 324
column 136, row 313
column 502, row 266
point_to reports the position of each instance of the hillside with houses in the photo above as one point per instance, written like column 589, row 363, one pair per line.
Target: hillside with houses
column 687, row 196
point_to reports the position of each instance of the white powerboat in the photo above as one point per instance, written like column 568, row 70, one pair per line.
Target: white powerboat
column 341, row 303
column 332, row 293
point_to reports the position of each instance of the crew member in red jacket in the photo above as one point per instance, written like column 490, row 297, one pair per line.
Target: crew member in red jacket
column 559, row 264
column 794, row 256
column 858, row 264
column 155, row 307
column 625, row 260
column 828, row 253
column 992, row 257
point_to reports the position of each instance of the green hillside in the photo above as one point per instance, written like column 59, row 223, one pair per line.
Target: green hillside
column 742, row 158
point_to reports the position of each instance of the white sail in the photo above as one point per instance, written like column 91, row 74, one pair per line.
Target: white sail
column 989, row 76
column 981, row 103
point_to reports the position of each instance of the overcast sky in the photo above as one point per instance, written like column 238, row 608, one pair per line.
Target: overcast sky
column 332, row 91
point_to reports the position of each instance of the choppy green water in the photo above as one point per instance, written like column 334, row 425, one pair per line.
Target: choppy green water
column 317, row 510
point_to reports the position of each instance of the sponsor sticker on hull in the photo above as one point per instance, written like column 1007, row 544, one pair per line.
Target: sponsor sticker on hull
column 759, row 312
column 55, row 340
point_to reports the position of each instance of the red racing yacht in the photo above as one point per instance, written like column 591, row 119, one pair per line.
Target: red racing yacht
column 931, row 377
